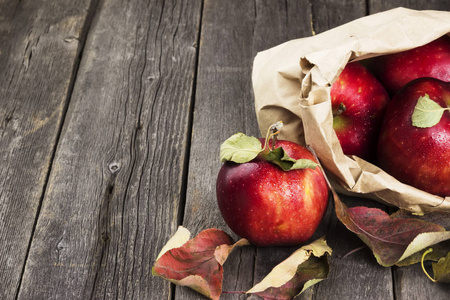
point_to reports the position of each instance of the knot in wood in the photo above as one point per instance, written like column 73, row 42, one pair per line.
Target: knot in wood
column 70, row 39
column 114, row 167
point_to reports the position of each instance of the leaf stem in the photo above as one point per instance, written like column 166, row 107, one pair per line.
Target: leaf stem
column 423, row 267
column 353, row 251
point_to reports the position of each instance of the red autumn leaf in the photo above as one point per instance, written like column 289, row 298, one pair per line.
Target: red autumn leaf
column 198, row 262
column 391, row 238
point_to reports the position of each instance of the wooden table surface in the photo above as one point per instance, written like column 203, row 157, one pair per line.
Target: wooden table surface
column 111, row 117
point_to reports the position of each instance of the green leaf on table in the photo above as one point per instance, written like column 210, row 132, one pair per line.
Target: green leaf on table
column 391, row 238
column 280, row 158
column 441, row 269
column 196, row 263
column 304, row 268
column 240, row 148
column 427, row 112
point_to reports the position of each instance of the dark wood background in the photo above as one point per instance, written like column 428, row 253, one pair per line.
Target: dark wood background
column 111, row 117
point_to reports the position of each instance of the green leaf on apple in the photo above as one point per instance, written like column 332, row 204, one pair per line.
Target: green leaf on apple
column 304, row 268
column 427, row 112
column 279, row 157
column 196, row 263
column 240, row 148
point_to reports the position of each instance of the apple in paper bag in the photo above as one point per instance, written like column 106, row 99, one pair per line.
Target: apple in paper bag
column 358, row 103
column 414, row 144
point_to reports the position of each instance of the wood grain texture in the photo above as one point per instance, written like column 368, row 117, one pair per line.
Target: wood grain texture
column 382, row 5
column 232, row 33
column 101, row 159
column 353, row 275
column 293, row 20
column 115, row 186
column 327, row 14
column 259, row 27
column 412, row 283
column 223, row 106
column 324, row 15
column 39, row 46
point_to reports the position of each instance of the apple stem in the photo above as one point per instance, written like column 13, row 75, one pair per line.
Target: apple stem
column 340, row 110
column 272, row 133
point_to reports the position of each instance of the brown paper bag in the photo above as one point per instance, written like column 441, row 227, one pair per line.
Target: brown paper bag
column 291, row 82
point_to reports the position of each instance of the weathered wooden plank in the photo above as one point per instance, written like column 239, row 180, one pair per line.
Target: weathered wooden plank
column 294, row 19
column 40, row 42
column 327, row 14
column 359, row 267
column 382, row 5
column 224, row 73
column 412, row 283
column 223, row 106
column 232, row 33
column 115, row 186
column 353, row 275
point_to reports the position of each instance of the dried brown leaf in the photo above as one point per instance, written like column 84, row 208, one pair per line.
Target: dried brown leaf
column 304, row 268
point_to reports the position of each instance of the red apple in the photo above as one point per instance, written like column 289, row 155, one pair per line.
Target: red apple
column 430, row 60
column 418, row 156
column 358, row 102
column 269, row 206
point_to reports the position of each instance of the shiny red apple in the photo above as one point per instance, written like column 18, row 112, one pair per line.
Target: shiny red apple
column 414, row 155
column 358, row 102
column 430, row 60
column 269, row 206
